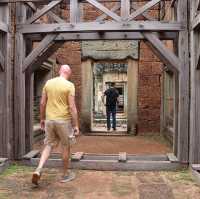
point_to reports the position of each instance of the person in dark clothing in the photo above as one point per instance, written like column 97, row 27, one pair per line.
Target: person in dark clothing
column 111, row 103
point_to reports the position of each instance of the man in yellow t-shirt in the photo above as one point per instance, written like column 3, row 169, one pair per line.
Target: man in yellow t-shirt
column 59, row 119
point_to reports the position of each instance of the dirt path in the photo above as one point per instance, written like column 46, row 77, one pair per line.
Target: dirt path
column 113, row 145
column 15, row 184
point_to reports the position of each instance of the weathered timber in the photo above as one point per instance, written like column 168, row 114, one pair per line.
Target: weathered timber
column 3, row 27
column 172, row 157
column 196, row 22
column 122, row 157
column 198, row 59
column 112, row 165
column 195, row 92
column 74, row 11
column 2, row 61
column 77, row 156
column 104, row 9
column 44, row 44
column 144, row 8
column 198, row 4
column 43, row 11
column 19, row 88
column 139, row 26
column 31, row 154
column 183, row 111
column 116, row 7
column 104, row 36
column 51, row 14
column 4, row 163
column 125, row 9
column 165, row 55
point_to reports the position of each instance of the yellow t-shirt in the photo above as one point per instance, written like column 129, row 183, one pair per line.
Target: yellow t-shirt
column 57, row 90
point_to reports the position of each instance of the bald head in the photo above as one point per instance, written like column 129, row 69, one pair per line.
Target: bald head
column 65, row 71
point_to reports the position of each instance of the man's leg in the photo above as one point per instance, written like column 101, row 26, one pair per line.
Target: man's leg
column 44, row 157
column 65, row 157
column 108, row 117
column 114, row 118
column 50, row 139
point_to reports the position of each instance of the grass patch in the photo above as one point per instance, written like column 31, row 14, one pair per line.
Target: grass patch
column 15, row 168
column 183, row 175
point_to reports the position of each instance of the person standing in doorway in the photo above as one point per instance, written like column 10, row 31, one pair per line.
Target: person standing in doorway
column 59, row 119
column 111, row 102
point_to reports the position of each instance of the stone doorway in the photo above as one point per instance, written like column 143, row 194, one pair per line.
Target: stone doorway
column 93, row 110
column 105, row 73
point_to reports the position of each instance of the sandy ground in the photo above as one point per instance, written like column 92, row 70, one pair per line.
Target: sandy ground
column 151, row 144
column 15, row 183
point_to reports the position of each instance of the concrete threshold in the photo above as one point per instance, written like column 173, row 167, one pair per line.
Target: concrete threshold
column 110, row 162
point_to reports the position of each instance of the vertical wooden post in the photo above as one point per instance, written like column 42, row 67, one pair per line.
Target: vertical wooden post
column 74, row 11
column 19, row 87
column 29, row 82
column 125, row 9
column 6, row 130
column 195, row 93
column 183, row 116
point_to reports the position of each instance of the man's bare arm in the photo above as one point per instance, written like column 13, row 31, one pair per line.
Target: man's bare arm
column 74, row 113
column 43, row 103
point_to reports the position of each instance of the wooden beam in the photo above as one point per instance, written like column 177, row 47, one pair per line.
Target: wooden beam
column 198, row 58
column 51, row 14
column 198, row 4
column 143, row 9
column 104, row 16
column 74, row 11
column 145, row 15
column 42, row 12
column 196, row 22
column 173, row 3
column 125, row 9
column 36, row 64
column 2, row 61
column 95, row 26
column 3, row 27
column 168, row 57
column 105, row 10
column 105, row 36
column 44, row 44
column 184, row 84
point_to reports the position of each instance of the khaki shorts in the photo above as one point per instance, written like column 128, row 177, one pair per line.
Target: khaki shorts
column 58, row 132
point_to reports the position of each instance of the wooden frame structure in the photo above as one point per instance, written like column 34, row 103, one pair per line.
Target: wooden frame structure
column 26, row 29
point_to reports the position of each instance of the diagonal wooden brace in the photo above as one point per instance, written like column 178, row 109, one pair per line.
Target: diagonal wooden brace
column 43, row 11
column 36, row 52
column 105, row 10
column 165, row 55
column 143, row 9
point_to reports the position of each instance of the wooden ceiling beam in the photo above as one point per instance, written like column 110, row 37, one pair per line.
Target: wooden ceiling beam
column 136, row 26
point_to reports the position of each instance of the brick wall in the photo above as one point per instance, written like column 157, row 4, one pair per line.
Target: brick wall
column 149, row 91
